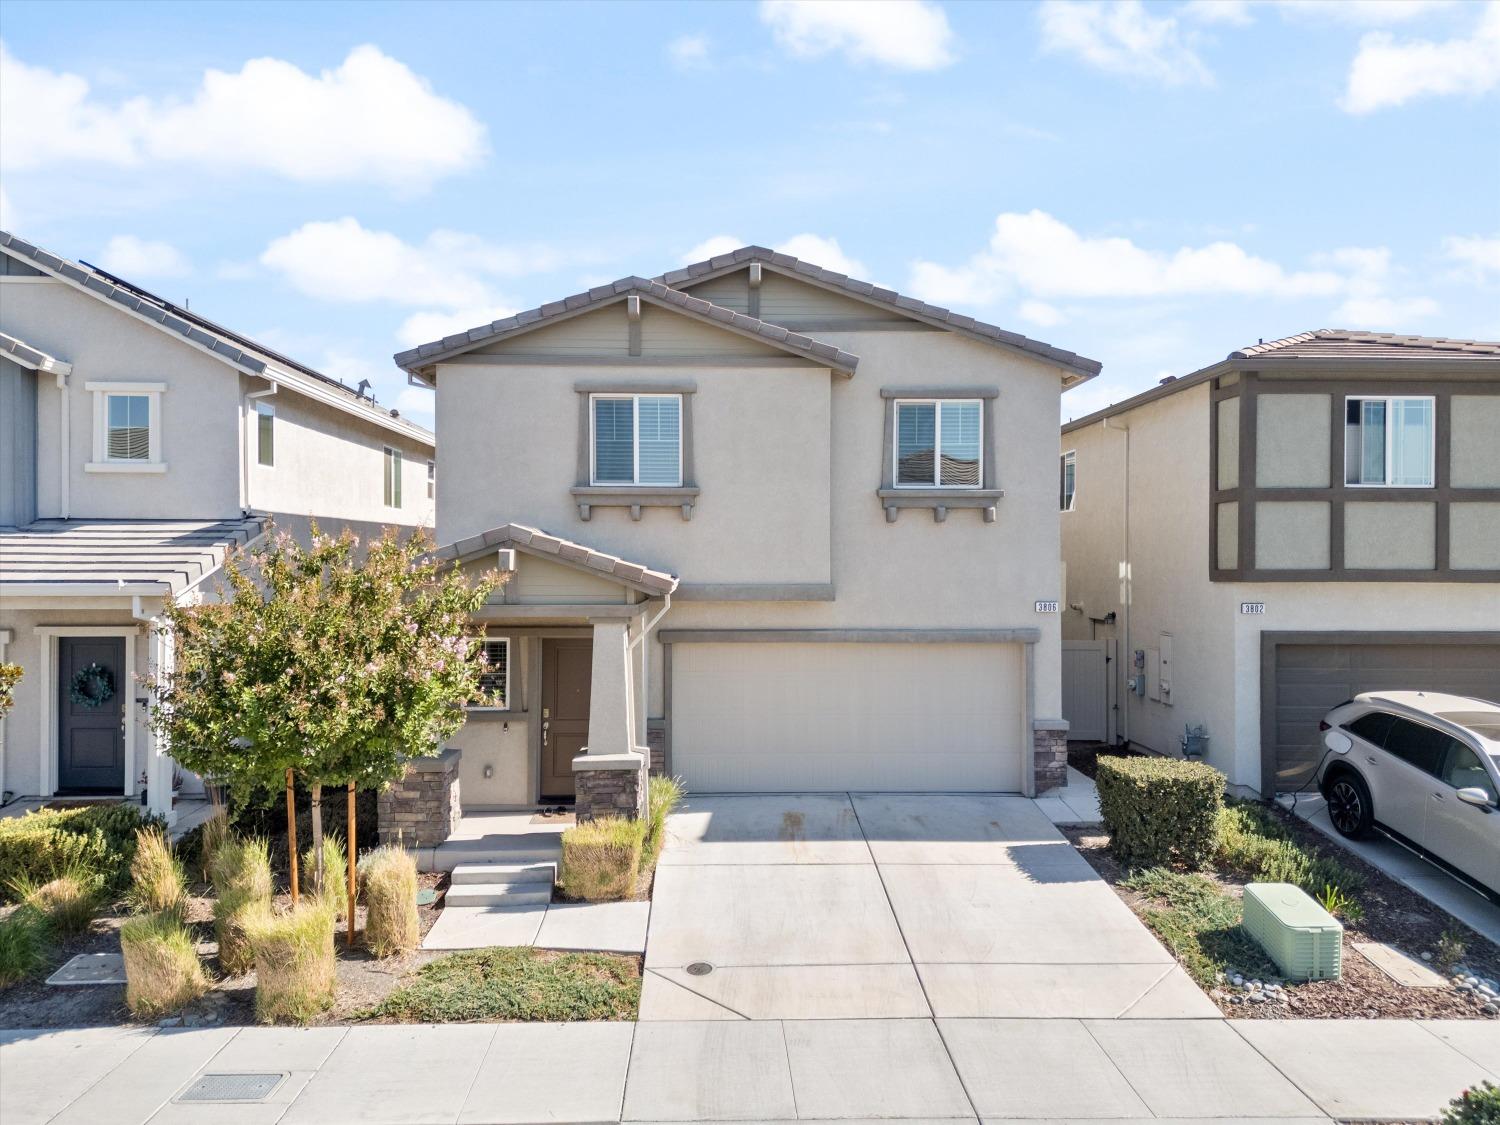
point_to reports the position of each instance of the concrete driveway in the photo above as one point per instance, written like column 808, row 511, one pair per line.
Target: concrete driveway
column 881, row 906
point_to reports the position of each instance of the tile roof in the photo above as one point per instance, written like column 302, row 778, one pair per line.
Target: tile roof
column 23, row 353
column 538, row 542
column 117, row 557
column 655, row 291
column 889, row 298
column 1341, row 343
column 229, row 346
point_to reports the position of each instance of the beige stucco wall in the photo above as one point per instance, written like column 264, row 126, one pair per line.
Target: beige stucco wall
column 1476, row 451
column 1474, row 536
column 1386, row 535
column 1227, row 414
column 1291, row 534
column 1291, row 441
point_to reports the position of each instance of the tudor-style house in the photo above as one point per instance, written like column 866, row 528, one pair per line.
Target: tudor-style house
column 773, row 528
column 1249, row 546
column 139, row 443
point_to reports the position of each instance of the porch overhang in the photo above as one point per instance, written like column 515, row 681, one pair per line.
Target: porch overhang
column 539, row 544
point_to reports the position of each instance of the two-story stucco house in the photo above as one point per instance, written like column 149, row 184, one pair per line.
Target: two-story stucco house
column 787, row 529
column 1258, row 541
column 138, row 444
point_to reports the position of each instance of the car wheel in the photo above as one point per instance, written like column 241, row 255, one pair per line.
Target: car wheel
column 1349, row 807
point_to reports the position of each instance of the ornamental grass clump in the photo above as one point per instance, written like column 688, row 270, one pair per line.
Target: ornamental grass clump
column 335, row 890
column 662, row 796
column 388, row 876
column 1160, row 811
column 157, row 882
column 213, row 834
column 242, row 880
column 68, row 902
column 162, row 970
column 601, row 859
column 23, row 945
column 294, row 963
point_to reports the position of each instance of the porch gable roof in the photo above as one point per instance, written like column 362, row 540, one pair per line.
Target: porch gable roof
column 534, row 541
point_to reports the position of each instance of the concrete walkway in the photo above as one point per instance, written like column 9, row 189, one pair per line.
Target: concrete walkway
column 903, row 1069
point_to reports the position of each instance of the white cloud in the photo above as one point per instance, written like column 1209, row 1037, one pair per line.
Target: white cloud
column 1040, row 312
column 689, row 52
column 361, row 121
column 1480, row 255
column 1235, row 13
column 814, row 248
column 711, row 248
column 1122, row 37
column 901, row 34
column 1388, row 73
column 1383, row 312
column 422, row 327
column 1355, row 13
column 132, row 257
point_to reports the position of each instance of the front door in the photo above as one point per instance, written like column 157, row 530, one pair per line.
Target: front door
column 91, row 714
column 567, row 672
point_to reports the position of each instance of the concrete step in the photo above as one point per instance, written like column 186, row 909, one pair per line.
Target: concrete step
column 498, row 894
column 503, row 873
column 511, row 848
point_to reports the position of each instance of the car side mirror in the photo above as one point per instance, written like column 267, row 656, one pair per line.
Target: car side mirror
column 1473, row 795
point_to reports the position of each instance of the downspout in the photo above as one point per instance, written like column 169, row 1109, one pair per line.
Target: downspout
column 246, row 413
column 64, row 453
column 5, row 636
column 1127, row 590
column 646, row 628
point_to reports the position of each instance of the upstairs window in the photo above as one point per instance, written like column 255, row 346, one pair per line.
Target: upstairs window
column 392, row 477
column 938, row 443
column 636, row 439
column 1389, row 442
column 265, row 434
column 1068, row 481
column 495, row 680
column 127, row 428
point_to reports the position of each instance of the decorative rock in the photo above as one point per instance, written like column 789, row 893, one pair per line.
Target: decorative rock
column 170, row 1021
column 1426, row 956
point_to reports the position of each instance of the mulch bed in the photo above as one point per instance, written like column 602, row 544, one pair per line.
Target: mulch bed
column 1394, row 914
column 1084, row 756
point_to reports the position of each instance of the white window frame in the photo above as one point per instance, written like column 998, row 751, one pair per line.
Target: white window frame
column 509, row 653
column 431, row 478
column 392, row 465
column 1069, row 457
column 1390, row 436
column 937, row 442
column 101, row 462
column 266, row 410
column 635, row 441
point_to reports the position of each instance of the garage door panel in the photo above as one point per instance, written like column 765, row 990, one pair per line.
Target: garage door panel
column 791, row 717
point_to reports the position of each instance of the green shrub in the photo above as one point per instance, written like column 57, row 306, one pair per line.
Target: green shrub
column 1199, row 922
column 294, row 962
column 601, row 859
column 1478, row 1105
column 52, row 842
column 335, row 873
column 241, row 875
column 518, row 983
column 388, row 876
column 157, row 882
column 1252, row 843
column 68, row 902
column 162, row 970
column 662, row 796
column 23, row 945
column 1160, row 810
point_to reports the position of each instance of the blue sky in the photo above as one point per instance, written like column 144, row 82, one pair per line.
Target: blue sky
column 1151, row 185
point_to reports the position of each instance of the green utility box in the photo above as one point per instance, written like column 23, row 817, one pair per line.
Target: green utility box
column 1305, row 941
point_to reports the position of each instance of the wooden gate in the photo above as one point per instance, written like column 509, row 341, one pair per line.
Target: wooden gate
column 1085, row 689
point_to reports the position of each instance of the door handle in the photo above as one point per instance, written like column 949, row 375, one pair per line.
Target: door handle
column 544, row 733
column 1437, row 797
column 1371, row 760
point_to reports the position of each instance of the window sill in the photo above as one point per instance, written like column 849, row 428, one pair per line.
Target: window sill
column 634, row 497
column 940, row 500
column 125, row 467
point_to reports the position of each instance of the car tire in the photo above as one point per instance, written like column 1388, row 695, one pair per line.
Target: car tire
column 1350, row 809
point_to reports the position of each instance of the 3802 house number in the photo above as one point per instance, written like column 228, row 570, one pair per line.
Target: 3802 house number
column 1046, row 607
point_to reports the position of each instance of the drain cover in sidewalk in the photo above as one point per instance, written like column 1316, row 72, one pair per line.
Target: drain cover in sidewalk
column 91, row 968
column 232, row 1088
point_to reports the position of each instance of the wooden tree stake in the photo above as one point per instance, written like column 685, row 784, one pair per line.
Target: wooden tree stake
column 351, row 844
column 291, row 831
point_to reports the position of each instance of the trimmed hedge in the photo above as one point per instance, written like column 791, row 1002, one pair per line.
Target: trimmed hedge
column 1160, row 811
column 99, row 839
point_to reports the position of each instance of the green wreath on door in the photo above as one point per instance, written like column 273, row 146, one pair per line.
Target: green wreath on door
column 93, row 686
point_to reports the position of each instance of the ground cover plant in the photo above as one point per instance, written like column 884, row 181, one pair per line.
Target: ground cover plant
column 100, row 839
column 520, row 983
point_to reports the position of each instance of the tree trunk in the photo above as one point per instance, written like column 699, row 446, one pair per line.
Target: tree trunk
column 316, row 790
column 291, row 833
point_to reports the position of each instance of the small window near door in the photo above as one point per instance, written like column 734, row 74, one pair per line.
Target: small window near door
column 495, row 682
column 393, row 464
column 938, row 443
column 265, row 434
column 1068, row 483
column 1389, row 442
column 431, row 479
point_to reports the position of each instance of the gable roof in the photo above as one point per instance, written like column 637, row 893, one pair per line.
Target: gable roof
column 825, row 355
column 229, row 347
column 18, row 351
column 1079, row 367
column 1322, row 349
column 534, row 541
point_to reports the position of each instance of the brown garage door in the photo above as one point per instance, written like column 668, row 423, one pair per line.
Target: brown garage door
column 1311, row 678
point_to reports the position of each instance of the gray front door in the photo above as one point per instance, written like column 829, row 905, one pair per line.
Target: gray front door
column 567, row 679
column 91, row 739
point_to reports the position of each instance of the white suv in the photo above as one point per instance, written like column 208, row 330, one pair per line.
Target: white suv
column 1424, row 767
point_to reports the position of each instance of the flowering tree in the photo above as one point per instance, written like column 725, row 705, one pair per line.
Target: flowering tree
column 10, row 675
column 317, row 662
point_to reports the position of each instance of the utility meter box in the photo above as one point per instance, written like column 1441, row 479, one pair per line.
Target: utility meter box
column 1305, row 941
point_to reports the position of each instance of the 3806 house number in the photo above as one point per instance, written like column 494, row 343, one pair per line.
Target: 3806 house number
column 1046, row 607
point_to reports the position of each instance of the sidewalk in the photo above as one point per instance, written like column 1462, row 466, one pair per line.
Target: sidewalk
column 897, row 1069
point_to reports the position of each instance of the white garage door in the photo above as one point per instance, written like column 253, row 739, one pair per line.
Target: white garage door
column 754, row 717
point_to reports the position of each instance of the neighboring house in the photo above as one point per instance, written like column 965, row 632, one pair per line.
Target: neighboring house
column 829, row 508
column 1257, row 542
column 139, row 443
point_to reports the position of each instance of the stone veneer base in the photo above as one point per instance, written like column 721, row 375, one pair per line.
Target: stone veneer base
column 620, row 790
column 1049, row 747
column 422, row 809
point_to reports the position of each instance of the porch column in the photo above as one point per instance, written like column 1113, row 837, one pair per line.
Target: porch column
column 610, row 774
column 158, row 765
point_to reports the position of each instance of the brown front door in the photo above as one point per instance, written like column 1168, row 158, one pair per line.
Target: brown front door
column 91, row 735
column 567, row 671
